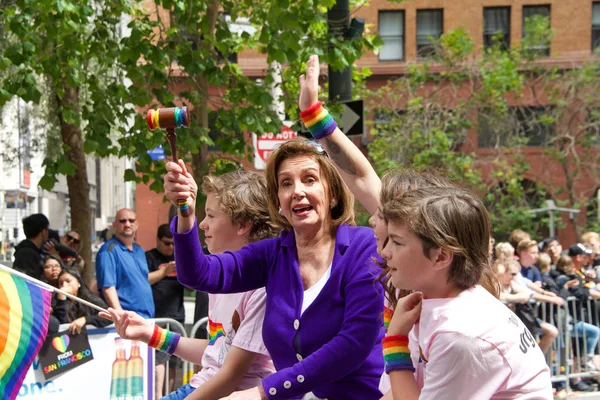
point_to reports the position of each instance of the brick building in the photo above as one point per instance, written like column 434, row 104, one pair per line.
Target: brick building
column 405, row 29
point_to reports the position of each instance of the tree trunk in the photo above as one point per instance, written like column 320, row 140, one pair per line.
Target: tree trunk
column 569, row 183
column 79, row 188
column 200, row 114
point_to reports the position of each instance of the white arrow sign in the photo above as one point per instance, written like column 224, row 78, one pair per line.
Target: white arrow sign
column 349, row 118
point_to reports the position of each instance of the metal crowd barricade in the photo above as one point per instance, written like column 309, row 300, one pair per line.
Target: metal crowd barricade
column 190, row 370
column 570, row 356
column 581, row 314
column 176, row 326
column 557, row 357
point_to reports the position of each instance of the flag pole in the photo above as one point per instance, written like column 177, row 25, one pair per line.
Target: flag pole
column 48, row 287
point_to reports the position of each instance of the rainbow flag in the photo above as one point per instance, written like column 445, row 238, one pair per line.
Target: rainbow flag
column 24, row 314
column 215, row 331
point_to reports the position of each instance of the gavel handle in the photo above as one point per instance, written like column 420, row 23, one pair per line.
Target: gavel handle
column 172, row 138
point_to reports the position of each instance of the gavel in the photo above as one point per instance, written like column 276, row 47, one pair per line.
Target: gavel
column 169, row 119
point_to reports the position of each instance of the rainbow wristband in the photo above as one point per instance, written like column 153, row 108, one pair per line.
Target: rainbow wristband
column 396, row 354
column 183, row 205
column 318, row 121
column 164, row 340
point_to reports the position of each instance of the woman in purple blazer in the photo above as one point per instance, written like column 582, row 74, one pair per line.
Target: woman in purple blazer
column 323, row 322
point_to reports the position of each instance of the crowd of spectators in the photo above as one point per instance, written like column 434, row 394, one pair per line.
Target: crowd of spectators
column 537, row 280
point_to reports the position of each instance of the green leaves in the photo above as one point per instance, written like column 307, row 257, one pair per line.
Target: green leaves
column 427, row 115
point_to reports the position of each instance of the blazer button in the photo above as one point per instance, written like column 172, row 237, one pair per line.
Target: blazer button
column 287, row 384
column 296, row 324
column 299, row 357
column 272, row 391
column 300, row 378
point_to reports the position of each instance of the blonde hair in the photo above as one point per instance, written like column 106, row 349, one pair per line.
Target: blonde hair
column 341, row 213
column 241, row 195
column 589, row 235
column 504, row 250
column 507, row 263
column 525, row 244
column 453, row 219
column 500, row 263
column 543, row 262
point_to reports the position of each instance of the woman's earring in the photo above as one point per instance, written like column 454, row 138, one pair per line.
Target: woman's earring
column 280, row 211
column 333, row 203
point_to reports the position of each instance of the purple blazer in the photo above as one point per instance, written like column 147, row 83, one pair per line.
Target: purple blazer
column 334, row 348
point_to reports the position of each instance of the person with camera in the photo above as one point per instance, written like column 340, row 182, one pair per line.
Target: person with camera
column 67, row 248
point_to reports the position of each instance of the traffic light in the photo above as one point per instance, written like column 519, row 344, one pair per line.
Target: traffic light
column 15, row 233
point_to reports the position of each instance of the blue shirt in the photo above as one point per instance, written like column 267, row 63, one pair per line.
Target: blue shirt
column 532, row 273
column 127, row 271
column 333, row 349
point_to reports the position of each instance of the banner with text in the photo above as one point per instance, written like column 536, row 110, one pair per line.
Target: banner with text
column 120, row 370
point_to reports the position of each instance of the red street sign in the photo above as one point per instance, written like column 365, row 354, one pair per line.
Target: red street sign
column 265, row 143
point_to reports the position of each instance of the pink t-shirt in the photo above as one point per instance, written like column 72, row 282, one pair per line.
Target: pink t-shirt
column 235, row 320
column 473, row 347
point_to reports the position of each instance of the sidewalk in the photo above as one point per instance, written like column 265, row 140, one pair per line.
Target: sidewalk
column 587, row 396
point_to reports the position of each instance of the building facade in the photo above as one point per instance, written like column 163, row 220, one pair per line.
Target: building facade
column 406, row 27
column 23, row 145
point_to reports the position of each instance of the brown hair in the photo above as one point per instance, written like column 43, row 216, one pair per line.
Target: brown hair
column 516, row 236
column 525, row 244
column 454, row 219
column 563, row 262
column 341, row 213
column 242, row 197
column 394, row 184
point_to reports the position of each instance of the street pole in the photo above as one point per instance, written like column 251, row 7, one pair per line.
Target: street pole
column 340, row 82
column 550, row 209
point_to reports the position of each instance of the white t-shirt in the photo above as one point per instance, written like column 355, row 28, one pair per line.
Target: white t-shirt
column 235, row 320
column 473, row 347
column 312, row 292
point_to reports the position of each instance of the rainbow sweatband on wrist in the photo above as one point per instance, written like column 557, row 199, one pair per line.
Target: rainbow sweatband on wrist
column 318, row 121
column 396, row 354
column 164, row 340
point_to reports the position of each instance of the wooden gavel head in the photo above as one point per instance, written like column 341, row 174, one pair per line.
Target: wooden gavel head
column 168, row 118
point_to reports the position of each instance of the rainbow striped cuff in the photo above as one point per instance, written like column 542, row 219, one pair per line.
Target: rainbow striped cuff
column 318, row 121
column 396, row 354
column 164, row 340
column 183, row 204
column 387, row 316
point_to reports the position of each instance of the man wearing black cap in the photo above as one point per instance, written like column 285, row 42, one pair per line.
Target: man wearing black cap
column 28, row 254
column 581, row 258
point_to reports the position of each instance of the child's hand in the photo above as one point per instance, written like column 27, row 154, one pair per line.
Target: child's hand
column 406, row 314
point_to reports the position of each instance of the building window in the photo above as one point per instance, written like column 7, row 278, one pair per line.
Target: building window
column 430, row 26
column 535, row 125
column 526, row 126
column 542, row 47
column 391, row 31
column 596, row 26
column 496, row 24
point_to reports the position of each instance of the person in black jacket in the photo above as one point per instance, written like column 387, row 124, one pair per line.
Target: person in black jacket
column 28, row 254
column 77, row 314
